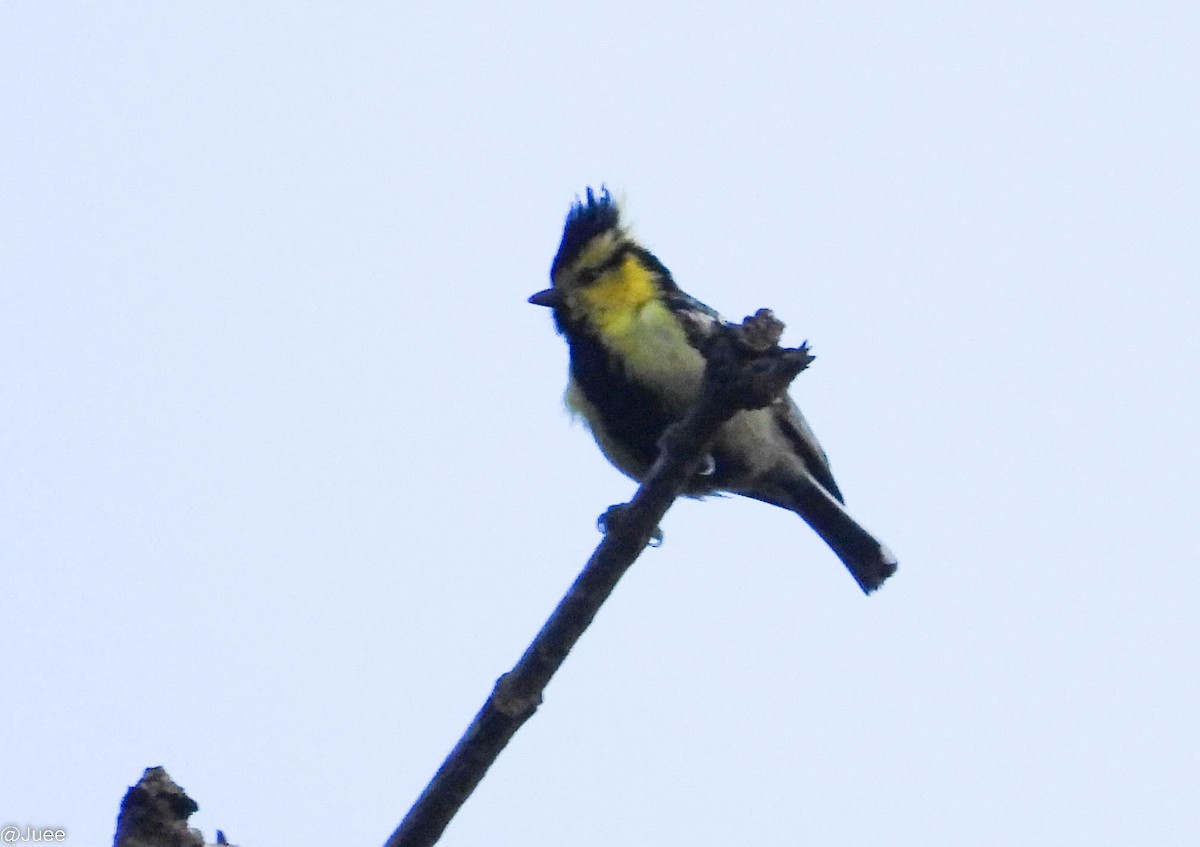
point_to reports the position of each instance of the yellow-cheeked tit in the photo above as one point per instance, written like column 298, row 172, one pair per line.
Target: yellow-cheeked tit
column 633, row 372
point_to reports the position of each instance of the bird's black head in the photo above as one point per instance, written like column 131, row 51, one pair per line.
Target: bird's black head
column 585, row 221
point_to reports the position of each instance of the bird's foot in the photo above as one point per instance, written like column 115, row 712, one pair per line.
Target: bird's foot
column 612, row 516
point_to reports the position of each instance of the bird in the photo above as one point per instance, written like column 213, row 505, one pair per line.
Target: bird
column 634, row 370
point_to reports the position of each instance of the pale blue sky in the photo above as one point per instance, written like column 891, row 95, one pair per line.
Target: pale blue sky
column 285, row 482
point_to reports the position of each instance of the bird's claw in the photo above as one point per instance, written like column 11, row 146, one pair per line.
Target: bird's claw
column 612, row 516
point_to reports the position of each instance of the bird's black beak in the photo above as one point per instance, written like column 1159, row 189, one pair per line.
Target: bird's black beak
column 550, row 298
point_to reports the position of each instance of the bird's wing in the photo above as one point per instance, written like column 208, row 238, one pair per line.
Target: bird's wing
column 682, row 301
column 698, row 320
column 804, row 442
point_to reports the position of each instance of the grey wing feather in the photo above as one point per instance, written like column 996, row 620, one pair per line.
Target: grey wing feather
column 699, row 320
column 679, row 301
column 804, row 440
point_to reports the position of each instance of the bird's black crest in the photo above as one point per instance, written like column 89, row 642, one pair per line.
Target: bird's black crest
column 584, row 222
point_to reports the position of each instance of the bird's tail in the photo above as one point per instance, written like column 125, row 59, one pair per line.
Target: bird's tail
column 869, row 561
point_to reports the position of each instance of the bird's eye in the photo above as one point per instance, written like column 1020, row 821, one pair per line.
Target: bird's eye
column 587, row 276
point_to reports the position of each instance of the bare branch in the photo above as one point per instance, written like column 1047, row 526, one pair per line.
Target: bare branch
column 746, row 370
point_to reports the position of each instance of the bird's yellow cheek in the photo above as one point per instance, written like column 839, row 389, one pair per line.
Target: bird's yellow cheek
column 613, row 301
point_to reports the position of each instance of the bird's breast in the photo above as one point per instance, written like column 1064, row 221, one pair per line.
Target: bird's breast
column 653, row 349
column 632, row 379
